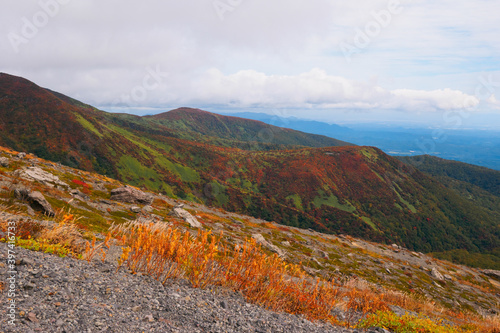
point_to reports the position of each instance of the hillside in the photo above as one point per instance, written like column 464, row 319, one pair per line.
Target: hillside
column 201, row 124
column 343, row 190
column 363, row 277
column 479, row 186
column 484, row 178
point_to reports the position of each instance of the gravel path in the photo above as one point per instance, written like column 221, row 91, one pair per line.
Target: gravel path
column 67, row 295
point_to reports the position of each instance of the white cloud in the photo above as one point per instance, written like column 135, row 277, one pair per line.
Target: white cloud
column 427, row 58
column 316, row 88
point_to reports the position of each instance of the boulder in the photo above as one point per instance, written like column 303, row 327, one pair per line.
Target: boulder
column 435, row 274
column 42, row 176
column 492, row 273
column 135, row 209
column 263, row 242
column 4, row 161
column 186, row 216
column 35, row 199
column 131, row 195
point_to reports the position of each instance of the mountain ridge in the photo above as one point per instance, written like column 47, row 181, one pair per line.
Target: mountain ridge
column 345, row 189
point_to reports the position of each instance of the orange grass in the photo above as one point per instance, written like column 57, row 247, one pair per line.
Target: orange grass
column 164, row 253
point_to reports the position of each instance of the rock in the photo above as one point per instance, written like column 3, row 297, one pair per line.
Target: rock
column 44, row 177
column 492, row 273
column 131, row 195
column 285, row 243
column 223, row 304
column 35, row 199
column 149, row 318
column 435, row 274
column 135, row 209
column 21, row 155
column 77, row 194
column 448, row 277
column 32, row 317
column 4, row 161
column 262, row 241
column 186, row 216
column 147, row 209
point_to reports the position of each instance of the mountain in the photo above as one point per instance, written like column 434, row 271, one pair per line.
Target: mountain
column 215, row 160
column 309, row 126
column 479, row 147
column 484, row 178
column 201, row 124
column 337, row 278
column 479, row 186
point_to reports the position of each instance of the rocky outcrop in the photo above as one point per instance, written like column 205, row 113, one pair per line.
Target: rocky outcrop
column 35, row 199
column 492, row 273
column 180, row 212
column 263, row 242
column 42, row 176
column 131, row 195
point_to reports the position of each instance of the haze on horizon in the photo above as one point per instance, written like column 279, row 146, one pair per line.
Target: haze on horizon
column 407, row 61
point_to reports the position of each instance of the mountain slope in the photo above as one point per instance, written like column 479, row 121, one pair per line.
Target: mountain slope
column 487, row 179
column 355, row 190
column 201, row 123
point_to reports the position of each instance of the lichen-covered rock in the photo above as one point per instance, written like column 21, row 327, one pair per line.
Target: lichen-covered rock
column 4, row 161
column 435, row 274
column 131, row 195
column 263, row 242
column 42, row 176
column 186, row 216
column 35, row 199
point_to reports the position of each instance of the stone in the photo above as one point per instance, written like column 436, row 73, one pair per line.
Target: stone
column 263, row 242
column 186, row 216
column 42, row 176
column 32, row 317
column 35, row 199
column 147, row 209
column 21, row 155
column 4, row 161
column 435, row 274
column 131, row 195
column 492, row 273
column 135, row 209
column 38, row 202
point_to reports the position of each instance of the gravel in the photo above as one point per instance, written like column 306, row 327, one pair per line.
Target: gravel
column 68, row 295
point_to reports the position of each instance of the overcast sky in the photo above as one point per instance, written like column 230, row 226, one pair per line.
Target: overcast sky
column 331, row 60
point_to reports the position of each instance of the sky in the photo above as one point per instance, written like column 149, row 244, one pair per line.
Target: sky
column 410, row 61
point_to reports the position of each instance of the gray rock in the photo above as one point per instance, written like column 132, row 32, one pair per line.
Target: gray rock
column 44, row 177
column 186, row 216
column 4, row 161
column 21, row 155
column 263, row 242
column 35, row 199
column 131, row 195
column 147, row 209
column 492, row 273
column 435, row 274
column 135, row 209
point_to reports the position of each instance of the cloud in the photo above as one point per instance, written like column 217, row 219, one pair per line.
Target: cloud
column 260, row 53
column 317, row 89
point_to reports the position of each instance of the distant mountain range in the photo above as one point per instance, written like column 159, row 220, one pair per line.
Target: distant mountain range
column 480, row 147
column 242, row 165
